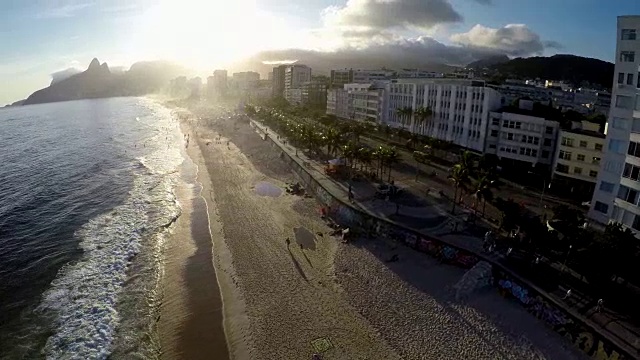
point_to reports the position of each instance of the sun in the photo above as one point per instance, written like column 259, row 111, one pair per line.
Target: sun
column 203, row 34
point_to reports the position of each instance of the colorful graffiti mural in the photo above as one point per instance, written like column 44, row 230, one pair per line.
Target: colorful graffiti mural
column 579, row 334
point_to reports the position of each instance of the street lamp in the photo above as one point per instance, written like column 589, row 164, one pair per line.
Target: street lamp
column 544, row 187
column 564, row 264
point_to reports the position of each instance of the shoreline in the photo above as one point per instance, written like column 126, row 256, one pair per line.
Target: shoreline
column 191, row 321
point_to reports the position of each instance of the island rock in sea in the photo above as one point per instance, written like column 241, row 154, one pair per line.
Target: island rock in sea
column 99, row 82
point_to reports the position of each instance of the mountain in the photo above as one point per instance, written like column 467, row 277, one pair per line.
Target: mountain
column 488, row 62
column 98, row 82
column 576, row 70
column 17, row 103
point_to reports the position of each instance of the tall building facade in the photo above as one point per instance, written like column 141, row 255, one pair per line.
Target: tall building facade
column 314, row 93
column 294, row 76
column 278, row 81
column 245, row 80
column 340, row 77
column 617, row 193
column 220, row 81
column 460, row 109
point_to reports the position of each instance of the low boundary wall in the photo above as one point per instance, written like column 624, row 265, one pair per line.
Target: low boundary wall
column 565, row 321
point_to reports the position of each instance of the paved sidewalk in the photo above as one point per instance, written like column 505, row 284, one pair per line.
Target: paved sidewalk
column 434, row 220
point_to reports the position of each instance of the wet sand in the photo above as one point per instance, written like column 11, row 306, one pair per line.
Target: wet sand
column 191, row 321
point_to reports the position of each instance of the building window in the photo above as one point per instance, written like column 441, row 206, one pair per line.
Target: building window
column 636, row 223
column 545, row 154
column 601, row 207
column 547, row 142
column 494, row 133
column 577, row 170
column 565, row 155
column 593, row 173
column 583, row 144
column 597, row 147
column 635, row 125
column 606, row 186
column 629, row 79
column 492, row 146
column 620, row 123
column 628, row 34
column 627, row 56
column 495, row 121
column 567, row 141
column 561, row 168
column 620, row 78
column 634, row 149
column 580, row 157
column 595, row 160
column 624, row 102
column 549, row 130
column 627, row 194
column 631, row 172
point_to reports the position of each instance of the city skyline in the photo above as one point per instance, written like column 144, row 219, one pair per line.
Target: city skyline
column 47, row 37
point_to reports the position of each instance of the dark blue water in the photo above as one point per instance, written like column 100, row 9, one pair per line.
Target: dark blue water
column 85, row 193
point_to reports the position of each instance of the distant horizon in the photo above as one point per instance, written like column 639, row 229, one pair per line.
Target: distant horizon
column 191, row 73
column 47, row 37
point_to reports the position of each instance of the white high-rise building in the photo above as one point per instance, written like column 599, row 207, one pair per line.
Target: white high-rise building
column 617, row 193
column 294, row 76
column 460, row 109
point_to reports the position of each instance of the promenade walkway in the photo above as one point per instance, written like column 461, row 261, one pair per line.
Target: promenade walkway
column 433, row 219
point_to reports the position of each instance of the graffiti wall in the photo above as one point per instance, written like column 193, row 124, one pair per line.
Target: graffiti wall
column 576, row 331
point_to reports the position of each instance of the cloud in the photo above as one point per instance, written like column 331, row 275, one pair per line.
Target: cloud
column 512, row 39
column 422, row 52
column 62, row 11
column 64, row 74
column 380, row 15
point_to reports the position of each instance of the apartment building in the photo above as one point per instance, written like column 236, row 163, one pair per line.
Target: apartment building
column 278, row 80
column 294, row 76
column 220, row 82
column 460, row 109
column 617, row 193
column 337, row 103
column 366, row 101
column 245, row 80
column 577, row 160
column 314, row 93
column 522, row 140
column 340, row 77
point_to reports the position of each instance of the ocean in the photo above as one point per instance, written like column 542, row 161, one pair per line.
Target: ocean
column 86, row 204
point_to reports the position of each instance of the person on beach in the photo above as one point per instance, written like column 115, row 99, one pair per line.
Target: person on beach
column 288, row 242
column 599, row 305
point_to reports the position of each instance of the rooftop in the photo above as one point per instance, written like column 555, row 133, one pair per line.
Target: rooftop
column 591, row 133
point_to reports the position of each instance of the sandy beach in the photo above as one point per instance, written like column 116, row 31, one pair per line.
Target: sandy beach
column 280, row 301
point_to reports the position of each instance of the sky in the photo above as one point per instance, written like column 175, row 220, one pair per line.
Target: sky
column 42, row 37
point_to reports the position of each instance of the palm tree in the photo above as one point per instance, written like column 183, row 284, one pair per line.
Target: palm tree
column 332, row 138
column 409, row 111
column 391, row 157
column 422, row 114
column 364, row 155
column 482, row 192
column 402, row 113
column 460, row 177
